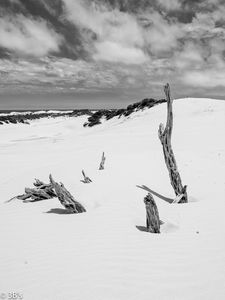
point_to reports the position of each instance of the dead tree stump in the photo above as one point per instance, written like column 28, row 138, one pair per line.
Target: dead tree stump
column 165, row 138
column 152, row 214
column 101, row 167
column 65, row 198
column 86, row 178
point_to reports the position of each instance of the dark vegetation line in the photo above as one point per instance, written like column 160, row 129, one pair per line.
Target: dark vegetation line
column 94, row 116
column 26, row 117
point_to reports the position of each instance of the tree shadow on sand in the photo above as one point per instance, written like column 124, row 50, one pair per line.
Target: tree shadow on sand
column 167, row 227
column 145, row 229
column 59, row 211
column 142, row 228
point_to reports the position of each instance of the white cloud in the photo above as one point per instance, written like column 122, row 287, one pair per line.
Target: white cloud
column 119, row 35
column 139, row 49
column 191, row 56
column 115, row 52
column 15, row 1
column 161, row 35
column 123, row 36
column 210, row 78
column 28, row 36
column 51, row 73
column 170, row 4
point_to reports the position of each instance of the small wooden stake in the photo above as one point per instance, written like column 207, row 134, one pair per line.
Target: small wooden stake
column 86, row 178
column 152, row 214
column 101, row 167
column 165, row 138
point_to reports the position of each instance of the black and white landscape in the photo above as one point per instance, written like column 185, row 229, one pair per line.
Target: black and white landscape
column 83, row 77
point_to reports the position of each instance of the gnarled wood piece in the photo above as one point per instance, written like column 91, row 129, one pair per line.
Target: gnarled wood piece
column 165, row 138
column 46, row 186
column 101, row 167
column 86, row 178
column 38, row 183
column 41, row 191
column 152, row 214
column 24, row 196
column 65, row 198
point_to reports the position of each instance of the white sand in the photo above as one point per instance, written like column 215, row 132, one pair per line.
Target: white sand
column 101, row 254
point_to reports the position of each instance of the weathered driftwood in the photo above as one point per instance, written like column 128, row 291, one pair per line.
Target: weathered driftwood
column 39, row 183
column 65, row 198
column 165, row 138
column 38, row 193
column 101, row 167
column 152, row 214
column 86, row 178
column 41, row 191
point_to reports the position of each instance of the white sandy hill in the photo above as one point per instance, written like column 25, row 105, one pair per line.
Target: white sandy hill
column 103, row 254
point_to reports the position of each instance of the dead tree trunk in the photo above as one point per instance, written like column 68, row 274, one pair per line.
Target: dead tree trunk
column 86, row 178
column 65, row 198
column 165, row 138
column 101, row 167
column 152, row 214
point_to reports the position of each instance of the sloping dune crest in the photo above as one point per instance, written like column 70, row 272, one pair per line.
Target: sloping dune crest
column 105, row 253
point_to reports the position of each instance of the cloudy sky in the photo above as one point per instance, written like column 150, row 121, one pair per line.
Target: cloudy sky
column 109, row 53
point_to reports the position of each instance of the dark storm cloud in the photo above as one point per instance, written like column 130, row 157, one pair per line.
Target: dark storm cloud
column 90, row 46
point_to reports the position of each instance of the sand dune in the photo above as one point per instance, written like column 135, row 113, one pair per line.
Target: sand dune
column 106, row 254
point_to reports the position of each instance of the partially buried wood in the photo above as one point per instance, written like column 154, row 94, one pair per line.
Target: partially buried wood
column 23, row 197
column 152, row 214
column 46, row 186
column 101, row 167
column 165, row 138
column 42, row 191
column 86, row 178
column 38, row 183
column 65, row 198
column 39, row 193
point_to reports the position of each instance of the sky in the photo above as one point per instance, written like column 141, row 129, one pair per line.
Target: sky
column 109, row 53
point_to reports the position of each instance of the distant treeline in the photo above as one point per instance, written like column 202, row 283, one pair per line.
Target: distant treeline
column 26, row 117
column 94, row 118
